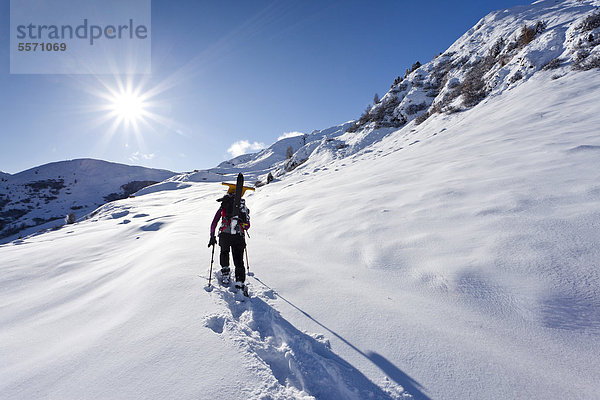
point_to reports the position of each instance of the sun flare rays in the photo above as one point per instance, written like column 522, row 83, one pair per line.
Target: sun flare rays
column 130, row 108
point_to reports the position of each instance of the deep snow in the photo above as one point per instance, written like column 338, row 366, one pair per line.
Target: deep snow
column 456, row 259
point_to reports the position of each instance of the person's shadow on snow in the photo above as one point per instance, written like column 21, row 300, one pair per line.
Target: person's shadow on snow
column 394, row 373
column 306, row 362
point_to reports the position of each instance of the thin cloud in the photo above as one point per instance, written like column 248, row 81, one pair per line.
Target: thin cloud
column 244, row 147
column 137, row 156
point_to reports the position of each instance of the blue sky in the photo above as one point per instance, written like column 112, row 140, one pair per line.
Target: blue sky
column 228, row 72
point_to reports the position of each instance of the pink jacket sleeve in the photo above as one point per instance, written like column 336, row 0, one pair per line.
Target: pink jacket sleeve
column 215, row 221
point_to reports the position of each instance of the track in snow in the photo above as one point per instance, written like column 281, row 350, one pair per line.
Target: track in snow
column 297, row 365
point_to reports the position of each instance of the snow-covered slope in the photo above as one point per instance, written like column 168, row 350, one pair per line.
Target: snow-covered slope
column 282, row 156
column 41, row 197
column 454, row 259
column 502, row 51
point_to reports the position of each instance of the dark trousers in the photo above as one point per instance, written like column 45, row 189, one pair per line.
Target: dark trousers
column 237, row 244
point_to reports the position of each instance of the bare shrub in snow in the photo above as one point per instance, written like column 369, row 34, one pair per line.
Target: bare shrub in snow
column 293, row 164
column 390, row 103
column 418, row 81
column 382, row 114
column 593, row 62
column 473, row 87
column 582, row 55
column 377, row 113
column 590, row 22
column 540, row 27
column 70, row 219
column 587, row 63
column 354, row 127
column 579, row 58
column 415, row 66
column 364, row 118
column 497, row 48
column 516, row 77
column 403, row 87
column 422, row 118
column 435, row 109
column 526, row 36
column 415, row 108
column 438, row 78
column 390, row 118
column 553, row 64
column 397, row 81
column 505, row 59
column 455, row 91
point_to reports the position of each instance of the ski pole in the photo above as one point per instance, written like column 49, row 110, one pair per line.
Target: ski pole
column 212, row 258
column 247, row 263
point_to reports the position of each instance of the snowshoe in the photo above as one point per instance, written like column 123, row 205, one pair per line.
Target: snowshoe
column 241, row 287
column 225, row 278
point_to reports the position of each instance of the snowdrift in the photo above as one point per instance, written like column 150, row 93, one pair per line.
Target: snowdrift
column 456, row 258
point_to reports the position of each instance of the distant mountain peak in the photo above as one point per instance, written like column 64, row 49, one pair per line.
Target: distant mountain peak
column 41, row 196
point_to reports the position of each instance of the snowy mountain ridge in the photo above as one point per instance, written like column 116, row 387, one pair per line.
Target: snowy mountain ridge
column 41, row 197
column 502, row 51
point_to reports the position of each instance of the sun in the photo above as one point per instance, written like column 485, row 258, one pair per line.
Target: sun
column 131, row 108
column 128, row 107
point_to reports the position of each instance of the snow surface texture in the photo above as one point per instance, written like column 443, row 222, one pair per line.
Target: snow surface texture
column 455, row 259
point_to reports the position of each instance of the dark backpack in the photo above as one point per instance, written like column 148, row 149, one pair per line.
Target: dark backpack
column 227, row 205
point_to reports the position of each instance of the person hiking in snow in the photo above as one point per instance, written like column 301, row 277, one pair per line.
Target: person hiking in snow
column 231, row 237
